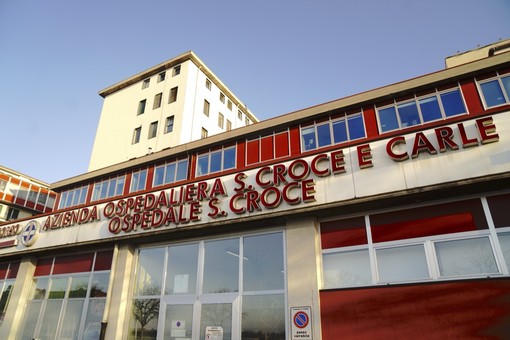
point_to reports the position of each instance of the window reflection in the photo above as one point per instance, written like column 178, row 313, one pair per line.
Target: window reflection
column 221, row 266
column 263, row 317
column 181, row 276
column 263, row 262
column 464, row 257
column 402, row 263
column 150, row 271
column 347, row 269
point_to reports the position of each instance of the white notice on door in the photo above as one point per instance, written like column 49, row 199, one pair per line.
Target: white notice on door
column 214, row 333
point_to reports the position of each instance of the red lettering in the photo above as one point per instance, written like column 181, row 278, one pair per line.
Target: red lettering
column 286, row 195
column 364, row 156
column 314, row 165
column 267, row 194
column 421, row 143
column 294, row 170
column 279, row 172
column 233, row 204
column 337, row 162
column 202, row 188
column 259, row 177
column 239, row 179
column 444, row 137
column 252, row 198
column 390, row 149
column 466, row 142
column 218, row 188
column 307, row 190
column 487, row 130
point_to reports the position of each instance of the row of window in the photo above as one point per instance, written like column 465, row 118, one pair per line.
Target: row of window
column 495, row 91
column 332, row 132
column 153, row 130
column 458, row 240
column 158, row 98
column 162, row 76
column 26, row 192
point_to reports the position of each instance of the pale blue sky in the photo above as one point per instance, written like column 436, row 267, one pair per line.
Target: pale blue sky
column 276, row 56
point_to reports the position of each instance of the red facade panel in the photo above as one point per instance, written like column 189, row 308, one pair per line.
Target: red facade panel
column 370, row 121
column 252, row 152
column 281, row 142
column 73, row 264
column 449, row 310
column 343, row 233
column 473, row 101
column 266, row 148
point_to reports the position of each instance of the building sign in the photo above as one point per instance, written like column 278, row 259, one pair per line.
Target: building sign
column 301, row 323
column 434, row 156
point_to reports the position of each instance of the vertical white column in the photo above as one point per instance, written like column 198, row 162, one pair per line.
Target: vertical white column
column 120, row 302
column 19, row 295
column 304, row 261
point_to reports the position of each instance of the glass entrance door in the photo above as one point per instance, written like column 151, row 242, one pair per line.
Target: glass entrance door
column 188, row 319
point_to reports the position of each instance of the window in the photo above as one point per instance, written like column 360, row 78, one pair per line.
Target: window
column 136, row 135
column 3, row 184
column 153, row 129
column 73, row 197
column 8, row 273
column 161, row 76
column 332, row 132
column 204, row 133
column 417, row 111
column 157, row 101
column 32, row 196
column 221, row 120
column 141, row 107
column 12, row 214
column 169, row 124
column 216, row 161
column 208, row 84
column 247, row 121
column 138, row 180
column 222, row 97
column 171, row 172
column 438, row 247
column 176, row 70
column 245, row 272
column 239, row 114
column 108, row 188
column 173, row 95
column 206, row 108
column 146, row 83
column 229, row 125
column 68, row 297
column 496, row 91
column 229, row 105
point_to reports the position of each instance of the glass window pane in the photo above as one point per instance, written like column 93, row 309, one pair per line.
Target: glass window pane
column 50, row 320
column 72, row 318
column 39, row 288
column 388, row 119
column 111, row 187
column 347, row 269
column 216, row 314
column 203, row 165
column 465, row 257
column 182, row 170
column 430, row 109
column 178, row 322
column 159, row 175
column 504, row 241
column 221, row 266
column 492, row 93
column 263, row 262
column 356, row 127
column 104, row 190
column 506, row 85
column 4, row 298
column 150, row 271
column 58, row 288
column 339, row 131
column 452, row 103
column 408, row 113
column 134, row 182
column 215, row 161
column 263, row 317
column 402, row 263
column 141, row 180
column 229, row 158
column 308, row 138
column 30, row 321
column 92, row 327
column 144, row 321
column 182, row 266
column 323, row 135
column 99, row 285
column 120, row 186
column 83, row 195
column 79, row 286
column 170, row 173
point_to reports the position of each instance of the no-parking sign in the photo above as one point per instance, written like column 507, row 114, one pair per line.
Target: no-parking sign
column 301, row 323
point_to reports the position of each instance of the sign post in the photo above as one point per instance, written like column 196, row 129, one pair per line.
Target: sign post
column 301, row 323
